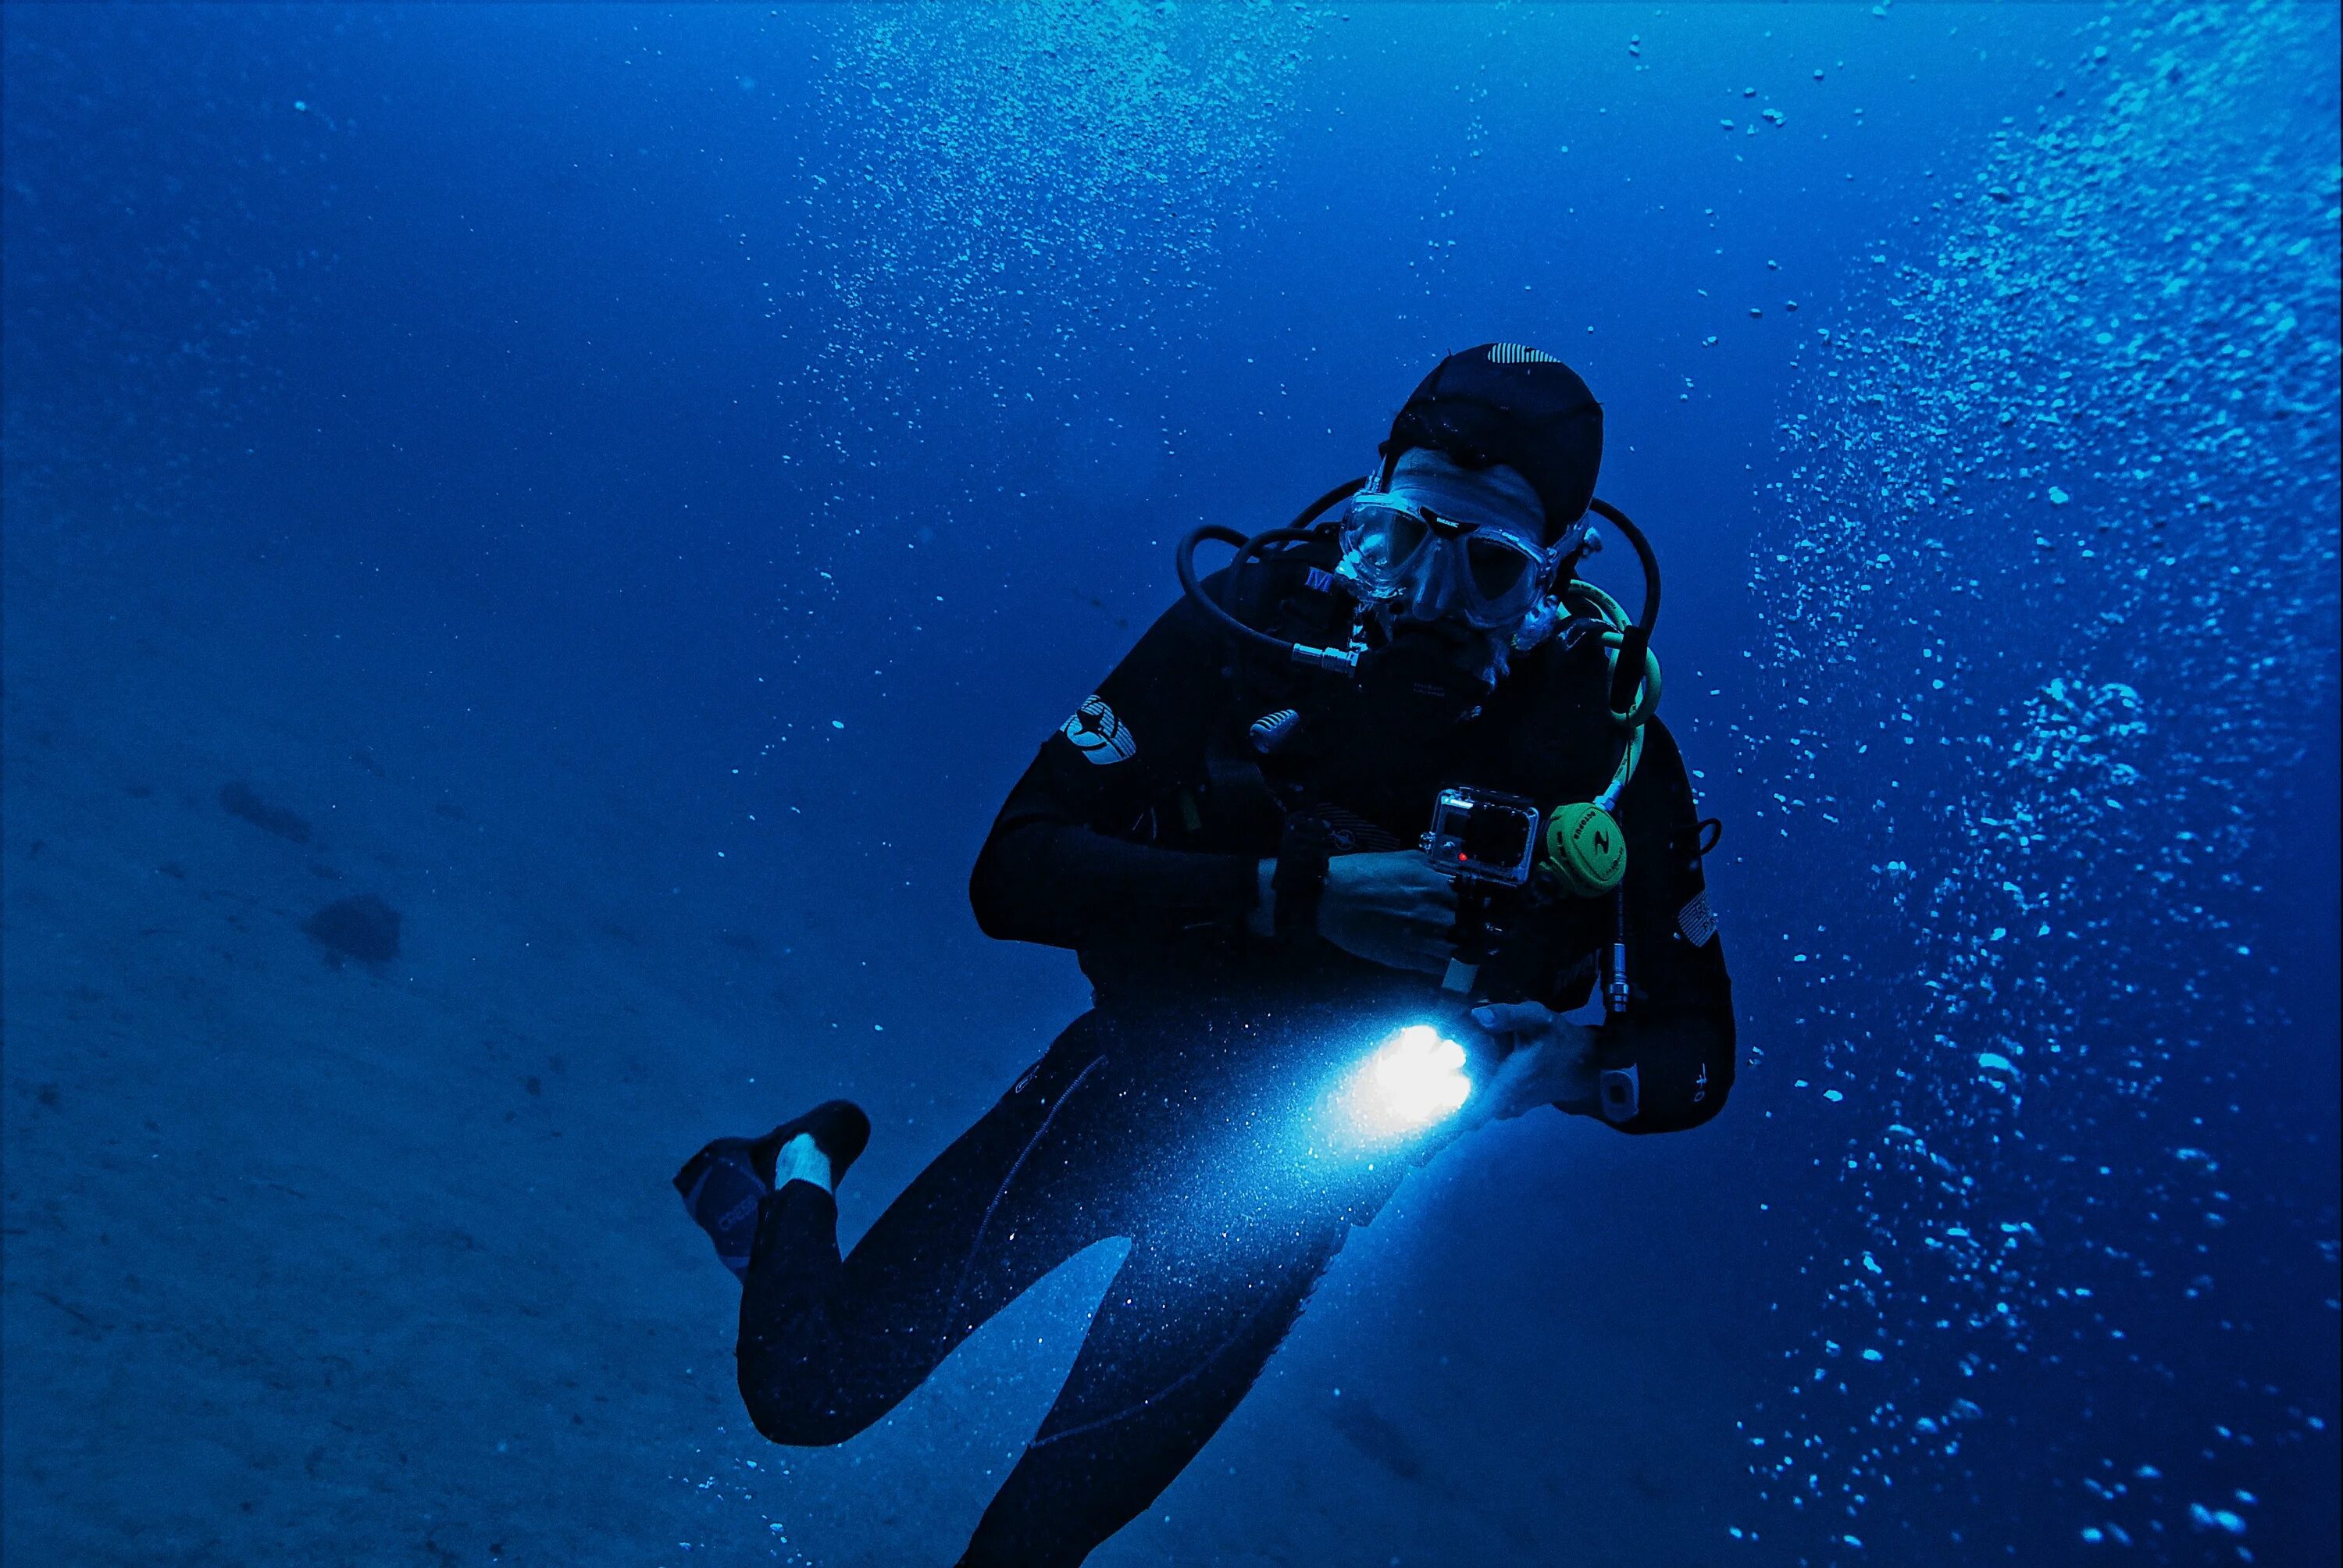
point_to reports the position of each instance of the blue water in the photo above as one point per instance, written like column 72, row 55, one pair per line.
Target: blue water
column 636, row 485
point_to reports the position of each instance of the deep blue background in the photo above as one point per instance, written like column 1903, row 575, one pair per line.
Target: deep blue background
column 493, row 355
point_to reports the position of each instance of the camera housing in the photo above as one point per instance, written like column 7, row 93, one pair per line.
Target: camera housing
column 1483, row 836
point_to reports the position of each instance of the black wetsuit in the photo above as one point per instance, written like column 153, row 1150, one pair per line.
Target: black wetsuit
column 1183, row 1111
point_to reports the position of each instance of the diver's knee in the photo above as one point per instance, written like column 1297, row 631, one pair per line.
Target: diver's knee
column 797, row 1425
column 784, row 1412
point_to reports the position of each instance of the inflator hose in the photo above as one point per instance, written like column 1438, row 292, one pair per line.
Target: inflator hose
column 1184, row 561
column 1629, row 671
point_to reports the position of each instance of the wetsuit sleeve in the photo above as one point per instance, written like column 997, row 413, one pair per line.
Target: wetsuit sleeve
column 1067, row 863
column 1676, row 1042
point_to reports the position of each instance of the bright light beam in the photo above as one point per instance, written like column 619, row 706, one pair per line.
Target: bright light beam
column 1406, row 1084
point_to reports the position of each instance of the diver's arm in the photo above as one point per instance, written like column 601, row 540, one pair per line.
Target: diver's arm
column 1064, row 864
column 1667, row 1062
column 1389, row 907
column 1666, row 1070
column 1046, row 876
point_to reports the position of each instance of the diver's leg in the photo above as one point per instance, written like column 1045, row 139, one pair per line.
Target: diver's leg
column 1175, row 1346
column 828, row 1346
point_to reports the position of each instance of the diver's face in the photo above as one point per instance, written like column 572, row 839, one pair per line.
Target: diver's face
column 1468, row 594
column 1448, row 555
column 1452, row 559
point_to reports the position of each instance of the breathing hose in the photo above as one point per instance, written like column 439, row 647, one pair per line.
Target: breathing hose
column 1582, row 844
column 1184, row 561
column 1636, row 640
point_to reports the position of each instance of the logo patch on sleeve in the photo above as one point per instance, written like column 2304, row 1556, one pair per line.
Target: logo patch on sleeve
column 1098, row 734
column 1320, row 580
column 1696, row 921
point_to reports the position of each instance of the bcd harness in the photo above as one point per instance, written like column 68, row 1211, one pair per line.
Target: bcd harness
column 1578, row 847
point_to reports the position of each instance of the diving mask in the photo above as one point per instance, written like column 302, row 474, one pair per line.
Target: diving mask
column 1433, row 566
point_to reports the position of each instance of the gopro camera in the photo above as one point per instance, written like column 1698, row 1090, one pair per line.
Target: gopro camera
column 1482, row 835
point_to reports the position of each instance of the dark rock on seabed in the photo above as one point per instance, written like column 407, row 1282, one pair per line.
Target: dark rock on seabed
column 363, row 928
column 238, row 799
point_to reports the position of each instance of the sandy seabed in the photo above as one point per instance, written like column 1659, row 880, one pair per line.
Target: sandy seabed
column 318, row 1263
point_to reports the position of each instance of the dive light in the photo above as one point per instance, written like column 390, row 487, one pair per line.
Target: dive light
column 1413, row 1080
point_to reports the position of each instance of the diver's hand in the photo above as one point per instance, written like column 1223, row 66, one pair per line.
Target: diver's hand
column 1390, row 908
column 1551, row 1062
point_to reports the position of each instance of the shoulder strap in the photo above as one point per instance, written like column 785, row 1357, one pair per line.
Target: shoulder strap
column 1240, row 798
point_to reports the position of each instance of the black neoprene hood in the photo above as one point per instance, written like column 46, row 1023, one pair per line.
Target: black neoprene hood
column 1511, row 403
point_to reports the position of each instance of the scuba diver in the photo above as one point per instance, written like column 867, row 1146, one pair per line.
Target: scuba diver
column 1338, row 844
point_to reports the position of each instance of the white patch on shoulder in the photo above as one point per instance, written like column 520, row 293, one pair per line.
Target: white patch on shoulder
column 1696, row 921
column 1098, row 734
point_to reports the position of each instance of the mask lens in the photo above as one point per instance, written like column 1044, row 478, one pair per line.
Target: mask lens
column 1498, row 570
column 1387, row 538
column 1405, row 534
